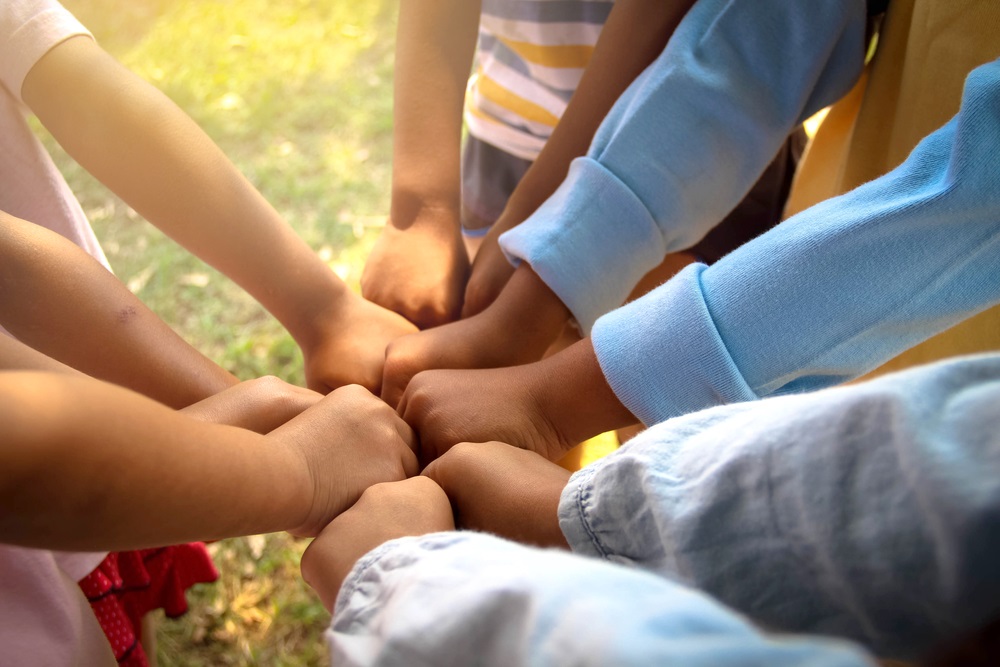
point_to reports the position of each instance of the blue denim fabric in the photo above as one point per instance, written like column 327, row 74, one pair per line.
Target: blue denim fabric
column 466, row 599
column 868, row 512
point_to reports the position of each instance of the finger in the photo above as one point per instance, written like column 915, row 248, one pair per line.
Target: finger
column 315, row 574
column 402, row 403
column 434, row 472
column 428, row 317
column 411, row 463
column 375, row 386
column 406, row 434
column 319, row 386
column 471, row 305
column 390, row 391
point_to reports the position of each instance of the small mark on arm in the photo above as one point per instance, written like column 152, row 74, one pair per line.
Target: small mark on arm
column 126, row 314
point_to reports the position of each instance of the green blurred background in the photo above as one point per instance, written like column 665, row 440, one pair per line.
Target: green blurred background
column 299, row 95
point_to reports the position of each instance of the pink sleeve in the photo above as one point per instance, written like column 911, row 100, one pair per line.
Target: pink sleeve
column 28, row 29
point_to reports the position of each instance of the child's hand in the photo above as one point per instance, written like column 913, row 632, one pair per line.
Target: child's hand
column 419, row 272
column 260, row 405
column 349, row 345
column 474, row 343
column 348, row 441
column 503, row 490
column 546, row 407
column 385, row 511
column 446, row 407
column 516, row 329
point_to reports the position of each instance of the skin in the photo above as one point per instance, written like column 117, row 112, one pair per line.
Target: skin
column 526, row 406
column 260, row 405
column 499, row 489
column 108, row 334
column 635, row 33
column 149, row 152
column 63, row 432
column 16, row 356
column 485, row 341
column 419, row 266
column 384, row 512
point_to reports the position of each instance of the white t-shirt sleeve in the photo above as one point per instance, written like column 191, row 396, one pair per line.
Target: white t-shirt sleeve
column 28, row 30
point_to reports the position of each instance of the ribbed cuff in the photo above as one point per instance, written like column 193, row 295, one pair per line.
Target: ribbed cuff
column 590, row 248
column 663, row 356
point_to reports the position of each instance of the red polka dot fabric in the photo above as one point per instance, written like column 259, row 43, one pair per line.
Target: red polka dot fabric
column 127, row 585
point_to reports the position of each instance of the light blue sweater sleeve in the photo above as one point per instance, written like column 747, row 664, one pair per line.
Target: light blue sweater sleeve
column 686, row 141
column 869, row 512
column 830, row 293
column 471, row 599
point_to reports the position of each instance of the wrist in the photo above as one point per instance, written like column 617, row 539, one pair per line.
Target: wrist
column 427, row 213
column 316, row 307
column 528, row 304
column 296, row 487
column 590, row 407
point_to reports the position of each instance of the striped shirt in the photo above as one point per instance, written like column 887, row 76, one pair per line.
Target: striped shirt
column 530, row 58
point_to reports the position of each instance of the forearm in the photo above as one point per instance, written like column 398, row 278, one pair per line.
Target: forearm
column 16, row 356
column 434, row 48
column 452, row 594
column 707, row 117
column 574, row 395
column 818, row 512
column 635, row 33
column 528, row 306
column 92, row 466
column 149, row 152
column 61, row 302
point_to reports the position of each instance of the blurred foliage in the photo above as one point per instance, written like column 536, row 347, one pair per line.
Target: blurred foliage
column 298, row 93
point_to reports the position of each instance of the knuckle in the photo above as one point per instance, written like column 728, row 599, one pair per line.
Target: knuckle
column 270, row 382
column 397, row 359
column 378, row 492
column 461, row 454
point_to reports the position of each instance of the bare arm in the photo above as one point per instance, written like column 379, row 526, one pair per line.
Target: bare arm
column 435, row 42
column 87, row 465
column 260, row 405
column 58, row 300
column 16, row 356
column 148, row 151
column 419, row 266
column 635, row 33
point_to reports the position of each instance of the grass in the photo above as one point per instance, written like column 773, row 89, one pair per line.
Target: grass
column 298, row 94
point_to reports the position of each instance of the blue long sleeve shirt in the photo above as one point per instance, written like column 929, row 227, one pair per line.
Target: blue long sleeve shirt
column 686, row 142
column 831, row 293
